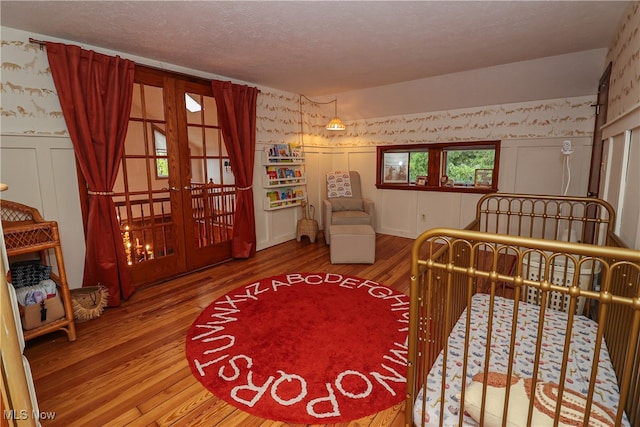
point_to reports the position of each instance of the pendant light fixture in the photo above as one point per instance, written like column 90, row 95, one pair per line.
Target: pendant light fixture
column 335, row 123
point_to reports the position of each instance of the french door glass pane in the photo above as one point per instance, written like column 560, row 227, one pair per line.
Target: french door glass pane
column 211, row 179
column 194, row 108
column 153, row 103
column 135, row 134
column 210, row 111
column 142, row 195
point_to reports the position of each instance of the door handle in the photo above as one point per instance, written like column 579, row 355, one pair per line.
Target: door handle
column 188, row 187
column 174, row 189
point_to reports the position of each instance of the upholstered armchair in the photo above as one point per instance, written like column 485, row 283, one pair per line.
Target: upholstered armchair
column 340, row 208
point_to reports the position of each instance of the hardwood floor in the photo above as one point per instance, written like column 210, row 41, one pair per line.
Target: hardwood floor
column 128, row 367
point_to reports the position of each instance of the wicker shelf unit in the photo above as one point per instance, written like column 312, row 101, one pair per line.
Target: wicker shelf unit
column 26, row 232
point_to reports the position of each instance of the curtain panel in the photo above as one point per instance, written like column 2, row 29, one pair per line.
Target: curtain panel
column 236, row 105
column 95, row 93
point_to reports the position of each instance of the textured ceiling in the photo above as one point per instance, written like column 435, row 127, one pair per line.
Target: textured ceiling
column 325, row 47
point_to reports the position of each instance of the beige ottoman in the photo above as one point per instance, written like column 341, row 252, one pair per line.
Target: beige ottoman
column 353, row 244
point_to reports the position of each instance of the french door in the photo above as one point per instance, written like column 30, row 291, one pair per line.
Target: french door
column 175, row 192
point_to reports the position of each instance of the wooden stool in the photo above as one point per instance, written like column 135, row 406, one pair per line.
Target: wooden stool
column 307, row 227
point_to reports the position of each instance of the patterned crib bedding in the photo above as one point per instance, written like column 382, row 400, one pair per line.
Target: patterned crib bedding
column 579, row 364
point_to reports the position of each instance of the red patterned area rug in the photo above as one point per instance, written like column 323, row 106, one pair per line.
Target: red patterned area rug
column 304, row 348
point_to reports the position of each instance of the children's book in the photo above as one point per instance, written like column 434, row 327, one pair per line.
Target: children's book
column 273, row 196
column 272, row 173
column 283, row 150
column 296, row 150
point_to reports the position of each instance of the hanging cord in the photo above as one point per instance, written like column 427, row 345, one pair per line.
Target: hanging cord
column 335, row 100
column 566, row 152
column 311, row 101
column 301, row 122
column 567, row 162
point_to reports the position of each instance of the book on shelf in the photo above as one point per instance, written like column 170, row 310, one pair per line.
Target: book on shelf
column 286, row 194
column 285, row 152
column 272, row 173
column 273, row 196
column 296, row 150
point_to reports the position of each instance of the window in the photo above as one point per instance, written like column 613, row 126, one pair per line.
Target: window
column 160, row 144
column 455, row 166
column 462, row 164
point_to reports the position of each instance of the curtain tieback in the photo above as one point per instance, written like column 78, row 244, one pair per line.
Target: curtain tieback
column 100, row 193
column 244, row 188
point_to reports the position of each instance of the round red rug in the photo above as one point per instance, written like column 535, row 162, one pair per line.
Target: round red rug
column 304, row 348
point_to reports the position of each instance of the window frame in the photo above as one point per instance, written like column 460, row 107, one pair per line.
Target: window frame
column 436, row 166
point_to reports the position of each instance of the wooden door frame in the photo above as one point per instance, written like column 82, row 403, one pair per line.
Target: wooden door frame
column 601, row 105
column 595, row 171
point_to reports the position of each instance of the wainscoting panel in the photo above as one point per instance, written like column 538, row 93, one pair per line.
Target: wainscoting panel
column 40, row 172
column 396, row 213
column 435, row 210
column 620, row 185
column 316, row 182
column 630, row 211
column 365, row 163
column 23, row 187
column 542, row 169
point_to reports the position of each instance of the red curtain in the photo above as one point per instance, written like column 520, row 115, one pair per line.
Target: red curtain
column 236, row 106
column 95, row 93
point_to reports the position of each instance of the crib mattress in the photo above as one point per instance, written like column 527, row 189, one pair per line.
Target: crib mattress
column 579, row 364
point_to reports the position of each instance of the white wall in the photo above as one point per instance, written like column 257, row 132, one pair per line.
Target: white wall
column 624, row 54
column 532, row 134
column 41, row 172
column 526, row 166
column 620, row 185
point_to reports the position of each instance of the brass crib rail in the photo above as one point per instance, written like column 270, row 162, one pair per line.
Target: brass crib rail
column 448, row 265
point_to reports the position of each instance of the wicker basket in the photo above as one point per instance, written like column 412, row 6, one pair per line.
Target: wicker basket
column 307, row 226
column 89, row 302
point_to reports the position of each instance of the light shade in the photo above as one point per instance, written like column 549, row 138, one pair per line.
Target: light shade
column 336, row 124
